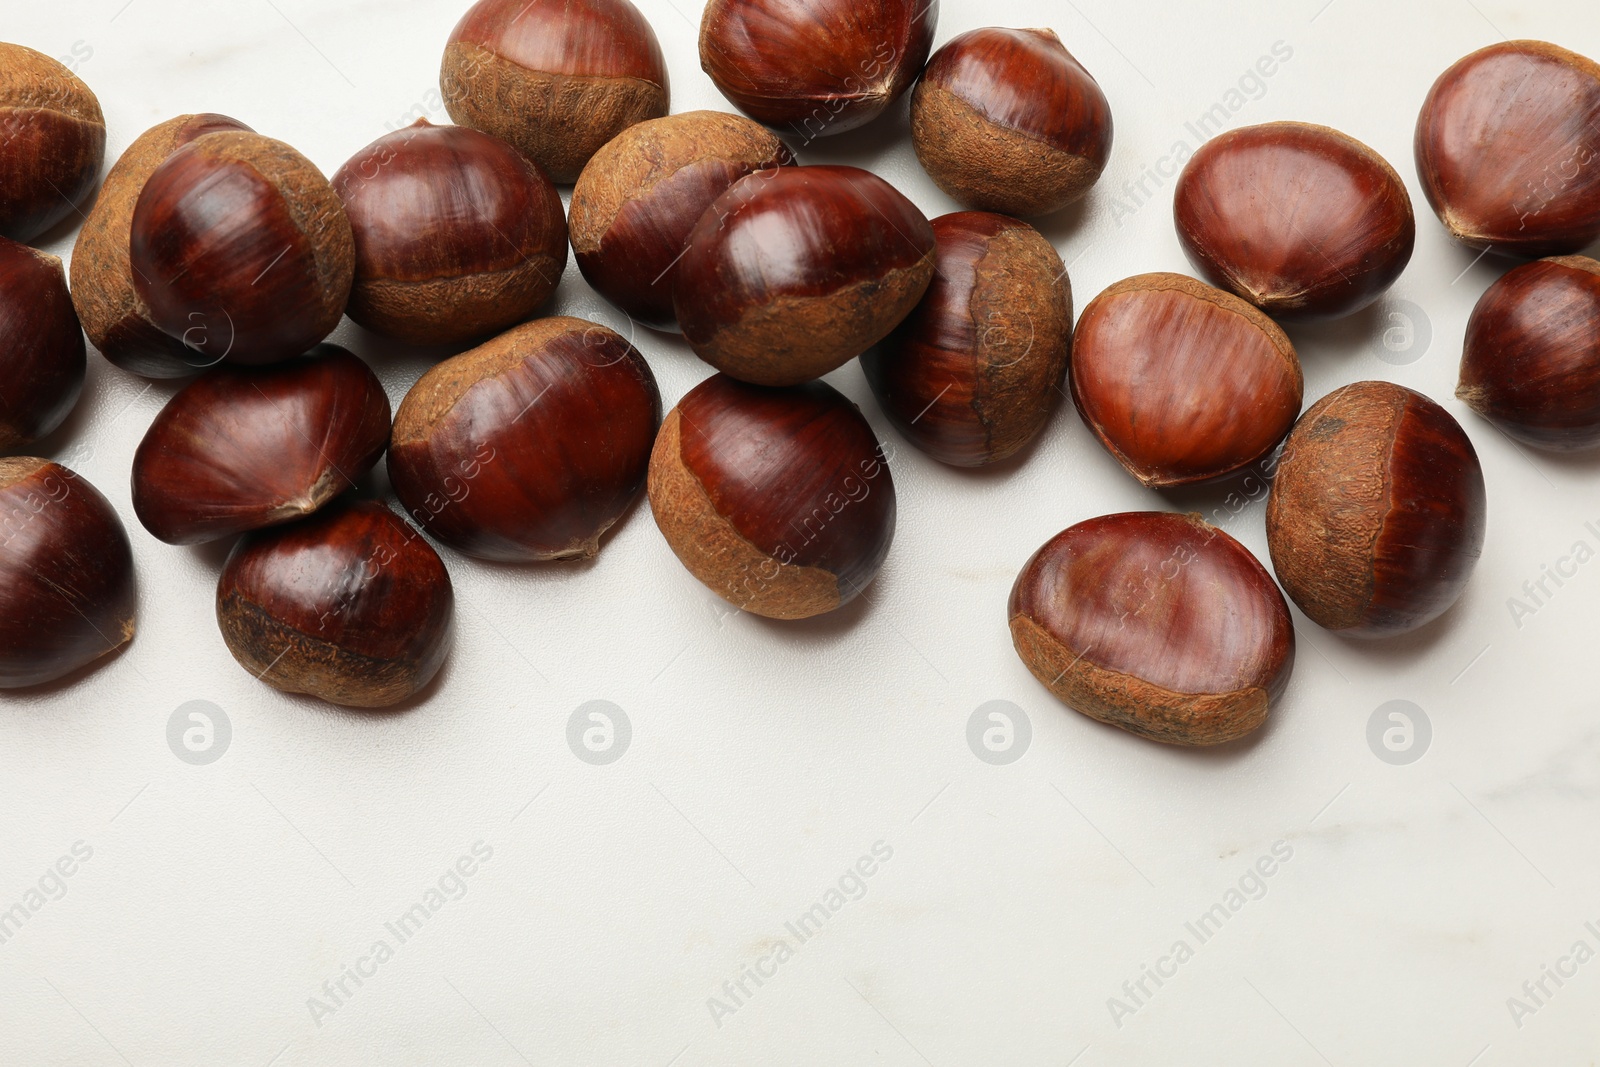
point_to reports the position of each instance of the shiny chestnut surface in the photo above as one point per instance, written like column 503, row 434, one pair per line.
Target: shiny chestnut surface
column 52, row 142
column 1159, row 624
column 1302, row 221
column 42, row 355
column 248, row 447
column 1377, row 515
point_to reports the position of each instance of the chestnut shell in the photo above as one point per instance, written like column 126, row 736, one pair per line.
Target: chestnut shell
column 52, row 141
column 42, row 354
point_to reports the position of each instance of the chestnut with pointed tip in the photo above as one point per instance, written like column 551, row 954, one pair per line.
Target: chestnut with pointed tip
column 1303, row 221
column 973, row 375
column 779, row 500
column 52, row 141
column 794, row 272
column 1182, row 382
column 351, row 606
column 1377, row 514
column 1159, row 624
column 67, row 593
column 1009, row 121
column 42, row 355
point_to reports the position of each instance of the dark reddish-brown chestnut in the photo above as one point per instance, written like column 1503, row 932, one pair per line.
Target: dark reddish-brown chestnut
column 1508, row 149
column 1532, row 359
column 974, row 373
column 816, row 67
column 641, row 195
column 246, row 447
column 1182, row 382
column 241, row 249
column 1302, row 221
column 351, row 606
column 1007, row 120
column 1160, row 624
column 779, row 500
column 1377, row 514
column 794, row 272
column 42, row 356
column 52, row 141
column 66, row 574
column 556, row 78
column 114, row 317
column 530, row 447
column 457, row 235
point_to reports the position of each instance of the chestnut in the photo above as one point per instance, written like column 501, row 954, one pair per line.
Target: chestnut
column 42, row 354
column 457, row 235
column 1159, row 624
column 640, row 195
column 530, row 447
column 1377, row 513
column 114, row 317
column 556, row 78
column 1181, row 382
column 1007, row 120
column 1508, row 149
column 67, row 592
column 242, row 448
column 779, row 500
column 52, row 141
column 816, row 67
column 1532, row 359
column 241, row 249
column 351, row 606
column 1302, row 221
column 794, row 272
column 974, row 373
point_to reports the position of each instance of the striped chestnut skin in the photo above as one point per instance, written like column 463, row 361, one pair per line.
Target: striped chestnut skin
column 1156, row 623
column 528, row 448
column 1508, row 149
column 242, row 448
column 457, row 235
column 779, row 500
column 1302, row 221
column 1377, row 515
column 555, row 78
column 1182, row 382
column 351, row 606
column 815, row 68
column 52, row 141
column 794, row 272
column 641, row 195
column 1531, row 364
column 67, row 592
column 42, row 355
column 973, row 375
column 1007, row 120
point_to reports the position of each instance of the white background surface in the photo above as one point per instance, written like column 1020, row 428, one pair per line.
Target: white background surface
column 767, row 757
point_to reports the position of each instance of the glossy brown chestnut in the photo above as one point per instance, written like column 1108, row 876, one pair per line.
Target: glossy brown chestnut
column 816, row 67
column 530, row 447
column 1007, row 120
column 241, row 249
column 1181, row 382
column 1302, row 221
column 1532, row 359
column 457, row 235
column 796, row 271
column 351, row 606
column 556, row 78
column 975, row 372
column 42, row 356
column 1377, row 514
column 641, row 195
column 1160, row 624
column 52, row 141
column 779, row 500
column 114, row 317
column 243, row 448
column 1508, row 149
column 66, row 574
